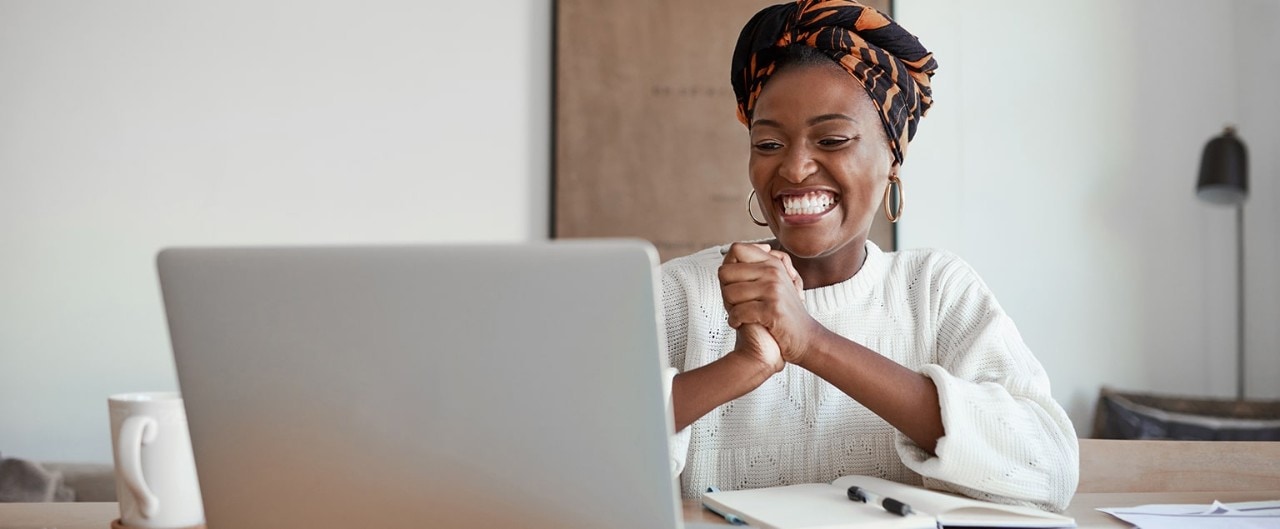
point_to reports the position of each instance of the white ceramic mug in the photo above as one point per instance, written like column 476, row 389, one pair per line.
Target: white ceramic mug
column 155, row 472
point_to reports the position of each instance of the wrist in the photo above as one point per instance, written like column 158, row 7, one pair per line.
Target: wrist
column 810, row 353
column 749, row 368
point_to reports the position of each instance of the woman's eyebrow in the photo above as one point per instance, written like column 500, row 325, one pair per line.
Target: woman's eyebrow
column 828, row 117
column 766, row 123
column 812, row 121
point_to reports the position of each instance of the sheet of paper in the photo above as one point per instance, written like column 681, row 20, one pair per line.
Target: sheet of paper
column 1245, row 515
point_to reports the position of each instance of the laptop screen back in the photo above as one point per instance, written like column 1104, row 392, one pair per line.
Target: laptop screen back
column 423, row 386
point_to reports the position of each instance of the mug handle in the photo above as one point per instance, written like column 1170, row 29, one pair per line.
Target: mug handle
column 135, row 432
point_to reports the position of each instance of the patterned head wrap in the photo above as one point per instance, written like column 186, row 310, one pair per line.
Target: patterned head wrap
column 889, row 62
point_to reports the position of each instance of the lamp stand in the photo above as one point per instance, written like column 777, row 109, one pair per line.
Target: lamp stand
column 1240, row 301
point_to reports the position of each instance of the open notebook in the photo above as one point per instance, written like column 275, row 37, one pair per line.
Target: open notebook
column 821, row 505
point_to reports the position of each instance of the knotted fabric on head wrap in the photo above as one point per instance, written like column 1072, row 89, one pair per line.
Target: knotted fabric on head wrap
column 889, row 62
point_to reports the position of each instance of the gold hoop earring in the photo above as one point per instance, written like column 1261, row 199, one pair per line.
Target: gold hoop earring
column 750, row 200
column 893, row 192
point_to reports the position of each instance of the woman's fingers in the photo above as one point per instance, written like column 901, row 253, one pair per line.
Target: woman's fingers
column 750, row 312
column 745, row 252
column 759, row 285
column 744, row 272
column 735, row 293
column 749, row 281
column 741, row 252
column 791, row 270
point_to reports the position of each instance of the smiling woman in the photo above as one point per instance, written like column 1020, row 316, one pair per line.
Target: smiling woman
column 819, row 355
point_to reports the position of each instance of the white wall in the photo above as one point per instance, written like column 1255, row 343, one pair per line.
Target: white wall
column 1258, row 67
column 1060, row 160
column 128, row 126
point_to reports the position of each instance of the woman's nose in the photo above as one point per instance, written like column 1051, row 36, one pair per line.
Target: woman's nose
column 798, row 165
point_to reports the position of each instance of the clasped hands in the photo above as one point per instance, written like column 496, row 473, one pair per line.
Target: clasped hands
column 764, row 296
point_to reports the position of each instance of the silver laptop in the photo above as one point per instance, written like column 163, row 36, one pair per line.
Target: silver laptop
column 423, row 386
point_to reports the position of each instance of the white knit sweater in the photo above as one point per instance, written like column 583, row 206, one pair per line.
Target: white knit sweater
column 1005, row 440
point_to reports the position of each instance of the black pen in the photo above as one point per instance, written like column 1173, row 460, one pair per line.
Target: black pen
column 894, row 506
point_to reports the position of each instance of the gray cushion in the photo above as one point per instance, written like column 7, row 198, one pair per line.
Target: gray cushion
column 90, row 481
column 26, row 481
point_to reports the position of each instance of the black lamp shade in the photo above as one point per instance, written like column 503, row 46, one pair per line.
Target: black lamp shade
column 1224, row 170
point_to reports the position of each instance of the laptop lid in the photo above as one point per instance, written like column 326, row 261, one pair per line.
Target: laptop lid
column 423, row 386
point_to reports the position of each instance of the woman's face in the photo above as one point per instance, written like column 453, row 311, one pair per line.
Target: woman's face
column 820, row 159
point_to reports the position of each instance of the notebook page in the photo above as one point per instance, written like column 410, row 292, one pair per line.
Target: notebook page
column 811, row 506
column 953, row 510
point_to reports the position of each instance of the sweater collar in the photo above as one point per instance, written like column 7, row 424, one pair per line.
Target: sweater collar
column 840, row 295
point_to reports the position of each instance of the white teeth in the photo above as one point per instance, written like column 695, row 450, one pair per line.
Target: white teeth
column 808, row 204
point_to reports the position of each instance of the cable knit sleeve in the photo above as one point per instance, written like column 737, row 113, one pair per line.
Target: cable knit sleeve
column 675, row 322
column 1006, row 439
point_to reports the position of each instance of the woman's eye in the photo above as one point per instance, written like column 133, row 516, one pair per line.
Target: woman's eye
column 768, row 145
column 833, row 142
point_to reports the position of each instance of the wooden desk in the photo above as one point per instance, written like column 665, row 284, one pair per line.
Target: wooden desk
column 99, row 515
column 58, row 515
column 1113, row 474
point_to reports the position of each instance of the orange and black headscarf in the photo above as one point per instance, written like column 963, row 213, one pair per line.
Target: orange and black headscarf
column 889, row 62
